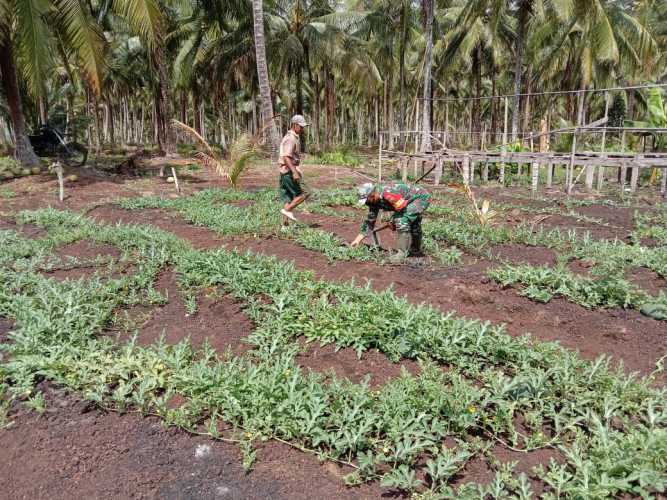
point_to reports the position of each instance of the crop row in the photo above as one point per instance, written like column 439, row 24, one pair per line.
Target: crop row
column 606, row 424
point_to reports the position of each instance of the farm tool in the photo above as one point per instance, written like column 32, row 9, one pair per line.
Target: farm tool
column 373, row 234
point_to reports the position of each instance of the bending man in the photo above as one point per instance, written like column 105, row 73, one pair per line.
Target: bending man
column 408, row 204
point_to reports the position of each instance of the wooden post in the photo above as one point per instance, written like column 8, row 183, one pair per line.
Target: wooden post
column 550, row 172
column 445, row 140
column 569, row 177
column 404, row 169
column 471, row 172
column 438, row 170
column 604, row 141
column 634, row 178
column 624, row 169
column 380, row 160
column 663, row 182
column 535, row 172
column 173, row 174
column 504, row 148
column 466, row 169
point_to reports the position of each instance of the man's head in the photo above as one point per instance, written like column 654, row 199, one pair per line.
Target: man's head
column 366, row 193
column 298, row 123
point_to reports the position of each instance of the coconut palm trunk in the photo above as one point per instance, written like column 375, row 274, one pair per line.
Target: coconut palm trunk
column 263, row 76
column 524, row 10
column 427, row 6
column 166, row 135
column 24, row 152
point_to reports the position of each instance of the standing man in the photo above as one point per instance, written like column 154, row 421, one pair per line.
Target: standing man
column 290, row 173
column 408, row 204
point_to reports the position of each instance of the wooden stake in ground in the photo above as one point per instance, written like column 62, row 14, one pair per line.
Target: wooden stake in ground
column 58, row 169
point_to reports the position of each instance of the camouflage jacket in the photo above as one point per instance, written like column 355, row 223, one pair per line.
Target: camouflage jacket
column 394, row 198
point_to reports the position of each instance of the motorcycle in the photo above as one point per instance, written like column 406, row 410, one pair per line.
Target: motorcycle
column 50, row 142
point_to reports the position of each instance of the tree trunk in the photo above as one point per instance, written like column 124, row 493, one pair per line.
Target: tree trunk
column 23, row 149
column 494, row 107
column 527, row 101
column 524, row 8
column 477, row 103
column 427, row 5
column 263, row 78
column 316, row 106
column 166, row 136
column 112, row 135
column 330, row 104
column 401, row 67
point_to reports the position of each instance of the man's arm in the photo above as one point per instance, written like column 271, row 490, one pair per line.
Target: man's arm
column 296, row 175
column 368, row 225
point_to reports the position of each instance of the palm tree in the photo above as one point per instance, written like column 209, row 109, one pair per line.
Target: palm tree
column 427, row 7
column 263, row 76
column 28, row 27
column 480, row 31
column 23, row 149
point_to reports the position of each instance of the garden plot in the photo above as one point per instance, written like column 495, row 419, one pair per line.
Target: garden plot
column 421, row 432
column 465, row 287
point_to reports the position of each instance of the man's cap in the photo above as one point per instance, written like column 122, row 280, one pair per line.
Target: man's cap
column 299, row 120
column 364, row 191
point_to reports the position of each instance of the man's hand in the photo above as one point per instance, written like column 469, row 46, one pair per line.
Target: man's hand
column 355, row 243
column 296, row 176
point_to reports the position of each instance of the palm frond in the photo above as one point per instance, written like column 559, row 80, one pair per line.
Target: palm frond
column 143, row 16
column 86, row 38
column 33, row 41
column 195, row 134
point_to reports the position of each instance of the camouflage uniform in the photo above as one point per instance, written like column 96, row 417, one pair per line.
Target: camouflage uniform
column 408, row 204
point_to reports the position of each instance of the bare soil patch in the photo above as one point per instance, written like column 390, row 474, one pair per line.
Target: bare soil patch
column 83, row 258
column 218, row 320
column 521, row 254
column 346, row 364
column 26, row 230
column 76, row 451
column 647, row 280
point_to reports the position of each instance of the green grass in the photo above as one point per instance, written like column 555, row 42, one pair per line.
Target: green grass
column 610, row 428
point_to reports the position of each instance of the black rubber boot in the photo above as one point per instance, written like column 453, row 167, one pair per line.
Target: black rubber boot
column 416, row 245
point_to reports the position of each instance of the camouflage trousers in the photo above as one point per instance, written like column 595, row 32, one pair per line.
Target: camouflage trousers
column 409, row 220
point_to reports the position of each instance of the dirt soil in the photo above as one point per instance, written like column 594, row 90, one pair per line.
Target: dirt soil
column 74, row 450
column 219, row 321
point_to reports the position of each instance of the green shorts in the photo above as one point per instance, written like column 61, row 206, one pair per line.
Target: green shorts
column 289, row 188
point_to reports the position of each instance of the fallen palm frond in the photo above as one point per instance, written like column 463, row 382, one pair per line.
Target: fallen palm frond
column 484, row 214
column 241, row 151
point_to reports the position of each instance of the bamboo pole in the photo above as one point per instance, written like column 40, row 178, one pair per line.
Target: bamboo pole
column 569, row 176
column 624, row 169
column 604, row 140
column 504, row 147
